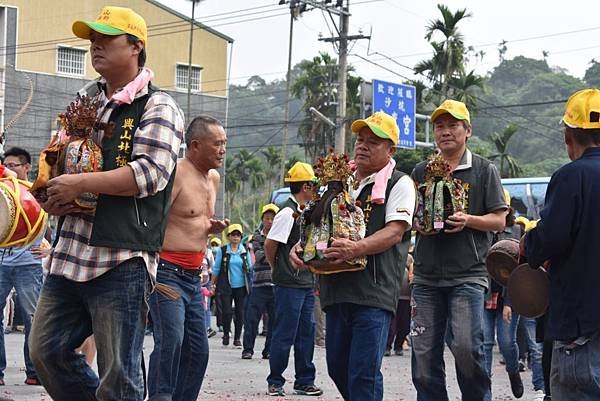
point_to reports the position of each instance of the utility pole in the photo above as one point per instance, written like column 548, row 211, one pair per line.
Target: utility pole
column 189, row 77
column 340, row 137
column 343, row 39
column 288, row 78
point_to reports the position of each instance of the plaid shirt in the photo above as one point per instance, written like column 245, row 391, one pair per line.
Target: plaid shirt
column 154, row 156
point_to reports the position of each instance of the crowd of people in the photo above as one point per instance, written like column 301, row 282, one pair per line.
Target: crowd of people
column 153, row 250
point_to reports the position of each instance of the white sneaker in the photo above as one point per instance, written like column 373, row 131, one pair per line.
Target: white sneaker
column 538, row 395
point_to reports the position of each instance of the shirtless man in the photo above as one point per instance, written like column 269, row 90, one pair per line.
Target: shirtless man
column 180, row 355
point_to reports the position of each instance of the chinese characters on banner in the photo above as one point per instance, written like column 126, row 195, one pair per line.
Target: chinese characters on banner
column 399, row 101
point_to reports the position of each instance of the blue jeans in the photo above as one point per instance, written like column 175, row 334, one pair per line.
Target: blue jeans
column 535, row 355
column 113, row 307
column 493, row 324
column 260, row 300
column 180, row 356
column 356, row 337
column 27, row 281
column 453, row 314
column 294, row 325
column 575, row 372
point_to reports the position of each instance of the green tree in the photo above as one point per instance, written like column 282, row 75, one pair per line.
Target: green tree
column 592, row 74
column 272, row 157
column 315, row 83
column 509, row 166
column 449, row 53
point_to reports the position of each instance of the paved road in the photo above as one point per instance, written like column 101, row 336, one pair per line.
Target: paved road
column 230, row 378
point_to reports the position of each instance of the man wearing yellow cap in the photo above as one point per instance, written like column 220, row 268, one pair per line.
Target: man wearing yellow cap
column 103, row 263
column 566, row 236
column 359, row 305
column 261, row 299
column 294, row 298
column 450, row 277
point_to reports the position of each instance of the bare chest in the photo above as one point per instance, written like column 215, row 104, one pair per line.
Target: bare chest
column 196, row 199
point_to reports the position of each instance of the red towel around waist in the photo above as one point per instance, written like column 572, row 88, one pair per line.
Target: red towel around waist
column 185, row 259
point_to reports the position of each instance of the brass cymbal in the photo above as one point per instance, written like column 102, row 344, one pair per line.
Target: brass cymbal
column 529, row 291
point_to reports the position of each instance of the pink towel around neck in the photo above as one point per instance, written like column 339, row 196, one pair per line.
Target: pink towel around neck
column 381, row 179
column 127, row 94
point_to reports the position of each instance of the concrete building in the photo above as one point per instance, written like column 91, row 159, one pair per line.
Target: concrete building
column 42, row 64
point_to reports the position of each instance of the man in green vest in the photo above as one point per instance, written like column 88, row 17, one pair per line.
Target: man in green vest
column 294, row 323
column 104, row 262
column 359, row 305
column 450, row 277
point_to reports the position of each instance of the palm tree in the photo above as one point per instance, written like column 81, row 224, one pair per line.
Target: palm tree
column 500, row 141
column 449, row 53
column 463, row 88
column 315, row 83
column 273, row 158
column 232, row 182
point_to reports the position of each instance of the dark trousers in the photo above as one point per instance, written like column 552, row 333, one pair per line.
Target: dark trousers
column 355, row 338
column 399, row 325
column 260, row 300
column 237, row 296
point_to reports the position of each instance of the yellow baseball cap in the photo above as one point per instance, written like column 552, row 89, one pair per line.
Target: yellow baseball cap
column 215, row 241
column 270, row 207
column 113, row 21
column 235, row 227
column 382, row 124
column 532, row 224
column 300, row 172
column 455, row 108
column 583, row 110
column 522, row 220
column 506, row 197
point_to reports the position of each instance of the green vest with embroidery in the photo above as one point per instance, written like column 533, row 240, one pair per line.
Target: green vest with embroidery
column 379, row 284
column 284, row 274
column 127, row 222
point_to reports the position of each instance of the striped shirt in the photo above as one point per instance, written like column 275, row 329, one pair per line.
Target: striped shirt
column 153, row 158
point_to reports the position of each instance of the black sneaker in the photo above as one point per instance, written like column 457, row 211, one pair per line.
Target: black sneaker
column 210, row 333
column 398, row 352
column 388, row 352
column 237, row 343
column 225, row 340
column 308, row 389
column 275, row 391
column 516, row 384
column 246, row 355
column 265, row 355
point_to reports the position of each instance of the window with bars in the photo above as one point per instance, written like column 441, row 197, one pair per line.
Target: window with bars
column 70, row 60
column 181, row 77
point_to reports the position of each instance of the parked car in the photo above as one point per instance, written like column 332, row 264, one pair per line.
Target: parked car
column 527, row 195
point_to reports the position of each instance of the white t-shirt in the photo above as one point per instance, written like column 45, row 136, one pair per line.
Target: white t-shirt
column 283, row 223
column 400, row 205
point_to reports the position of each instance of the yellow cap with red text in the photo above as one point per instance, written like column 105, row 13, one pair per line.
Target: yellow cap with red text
column 455, row 108
column 113, row 21
column 381, row 124
column 583, row 110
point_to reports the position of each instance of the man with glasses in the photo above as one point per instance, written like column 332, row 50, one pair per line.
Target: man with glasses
column 294, row 323
column 21, row 269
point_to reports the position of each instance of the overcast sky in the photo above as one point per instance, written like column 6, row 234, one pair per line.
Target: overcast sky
column 568, row 30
